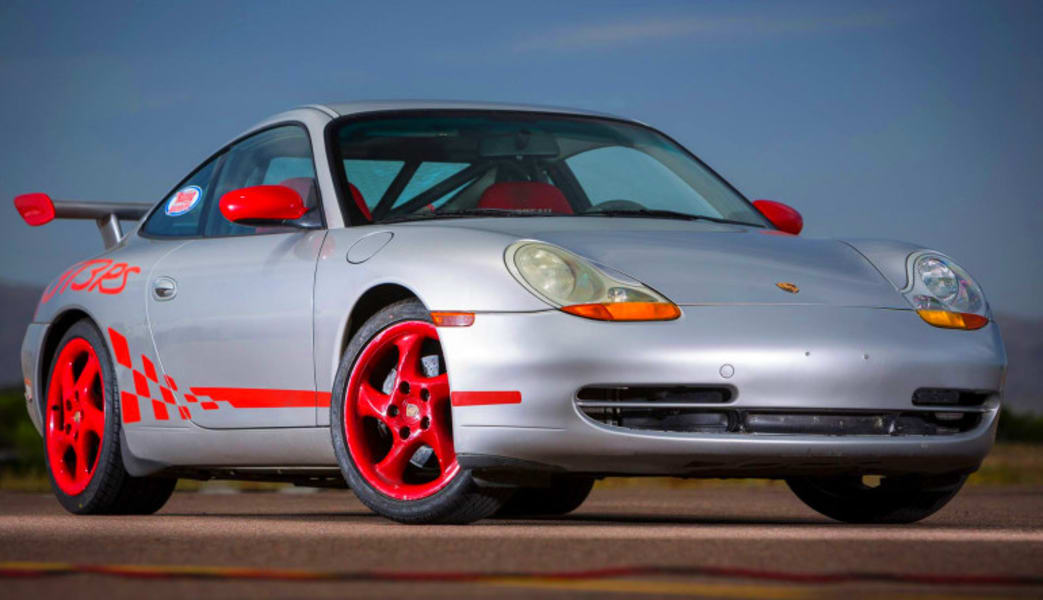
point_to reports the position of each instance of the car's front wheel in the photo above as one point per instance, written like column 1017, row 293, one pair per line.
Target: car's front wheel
column 391, row 424
column 904, row 499
column 82, row 433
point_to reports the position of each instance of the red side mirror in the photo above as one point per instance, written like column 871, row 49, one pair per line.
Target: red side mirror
column 36, row 209
column 782, row 216
column 262, row 203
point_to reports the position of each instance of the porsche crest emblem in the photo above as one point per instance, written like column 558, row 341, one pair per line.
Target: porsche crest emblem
column 788, row 287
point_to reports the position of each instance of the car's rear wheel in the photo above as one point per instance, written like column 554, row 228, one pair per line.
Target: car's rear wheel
column 82, row 433
column 851, row 499
column 391, row 424
column 564, row 495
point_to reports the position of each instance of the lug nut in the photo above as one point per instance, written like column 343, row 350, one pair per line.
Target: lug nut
column 404, row 387
column 403, row 433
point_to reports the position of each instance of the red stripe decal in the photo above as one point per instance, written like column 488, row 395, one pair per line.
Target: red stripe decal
column 168, row 396
column 190, row 398
column 209, row 405
column 170, row 382
column 323, row 399
column 129, row 407
column 485, row 398
column 119, row 348
column 141, row 384
column 150, row 369
column 259, row 398
column 160, row 410
column 183, row 412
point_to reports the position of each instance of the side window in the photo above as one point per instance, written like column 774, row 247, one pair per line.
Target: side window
column 180, row 214
column 279, row 156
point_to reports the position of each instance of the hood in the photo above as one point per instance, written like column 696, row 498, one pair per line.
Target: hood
column 694, row 262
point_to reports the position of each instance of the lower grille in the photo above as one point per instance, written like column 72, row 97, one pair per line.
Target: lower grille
column 686, row 409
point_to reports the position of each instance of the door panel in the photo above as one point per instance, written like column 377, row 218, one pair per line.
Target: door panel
column 236, row 329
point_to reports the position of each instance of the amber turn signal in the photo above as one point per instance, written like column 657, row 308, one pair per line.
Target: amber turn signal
column 452, row 319
column 953, row 320
column 626, row 311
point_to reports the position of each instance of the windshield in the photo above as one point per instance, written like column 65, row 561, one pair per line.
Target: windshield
column 456, row 164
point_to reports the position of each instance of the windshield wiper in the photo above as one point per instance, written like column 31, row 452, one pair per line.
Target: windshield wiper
column 665, row 214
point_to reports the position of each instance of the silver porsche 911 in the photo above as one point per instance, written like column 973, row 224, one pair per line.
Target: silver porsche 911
column 463, row 310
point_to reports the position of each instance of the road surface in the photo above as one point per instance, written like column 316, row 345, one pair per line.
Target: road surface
column 702, row 534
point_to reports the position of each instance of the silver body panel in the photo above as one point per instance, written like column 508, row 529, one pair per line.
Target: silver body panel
column 272, row 312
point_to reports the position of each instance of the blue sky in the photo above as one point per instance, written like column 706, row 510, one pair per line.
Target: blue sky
column 920, row 121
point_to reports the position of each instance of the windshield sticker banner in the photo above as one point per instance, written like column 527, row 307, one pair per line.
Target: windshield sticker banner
column 183, row 201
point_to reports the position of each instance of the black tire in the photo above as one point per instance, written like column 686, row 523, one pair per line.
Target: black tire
column 111, row 491
column 564, row 495
column 904, row 499
column 462, row 500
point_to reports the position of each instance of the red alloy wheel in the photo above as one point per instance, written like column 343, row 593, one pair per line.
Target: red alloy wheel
column 387, row 432
column 75, row 416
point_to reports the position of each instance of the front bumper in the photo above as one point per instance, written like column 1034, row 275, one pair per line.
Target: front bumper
column 805, row 358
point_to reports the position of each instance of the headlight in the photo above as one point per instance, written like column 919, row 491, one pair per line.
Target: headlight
column 944, row 295
column 575, row 286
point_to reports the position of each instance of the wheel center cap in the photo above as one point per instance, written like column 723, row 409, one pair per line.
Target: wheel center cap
column 77, row 417
column 412, row 411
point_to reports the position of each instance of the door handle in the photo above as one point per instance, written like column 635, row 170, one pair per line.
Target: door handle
column 164, row 288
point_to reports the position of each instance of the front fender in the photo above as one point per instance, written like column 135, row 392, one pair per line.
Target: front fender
column 467, row 274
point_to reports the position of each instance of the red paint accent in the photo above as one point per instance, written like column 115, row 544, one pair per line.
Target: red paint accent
column 119, row 348
column 208, row 405
column 262, row 203
column 168, row 396
column 531, row 196
column 36, row 209
column 323, row 399
column 129, row 404
column 485, row 398
column 141, row 384
column 170, row 382
column 75, row 417
column 190, row 398
column 259, row 398
column 782, row 216
column 150, row 369
column 160, row 410
column 416, row 399
column 182, row 411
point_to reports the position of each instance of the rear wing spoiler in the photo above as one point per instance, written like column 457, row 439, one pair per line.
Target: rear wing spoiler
column 39, row 209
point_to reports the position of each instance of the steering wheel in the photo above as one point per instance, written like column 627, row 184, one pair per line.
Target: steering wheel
column 616, row 205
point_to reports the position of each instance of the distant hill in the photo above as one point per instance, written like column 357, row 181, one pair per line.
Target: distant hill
column 1023, row 338
column 19, row 302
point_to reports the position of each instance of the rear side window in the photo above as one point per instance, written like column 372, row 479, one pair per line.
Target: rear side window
column 181, row 213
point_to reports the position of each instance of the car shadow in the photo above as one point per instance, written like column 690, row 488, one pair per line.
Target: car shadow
column 582, row 519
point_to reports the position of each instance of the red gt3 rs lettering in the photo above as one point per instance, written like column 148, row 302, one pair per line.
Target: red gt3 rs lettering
column 101, row 275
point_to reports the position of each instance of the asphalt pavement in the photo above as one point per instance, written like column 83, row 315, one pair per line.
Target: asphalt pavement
column 725, row 541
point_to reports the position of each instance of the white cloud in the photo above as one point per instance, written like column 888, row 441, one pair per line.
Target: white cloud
column 612, row 34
